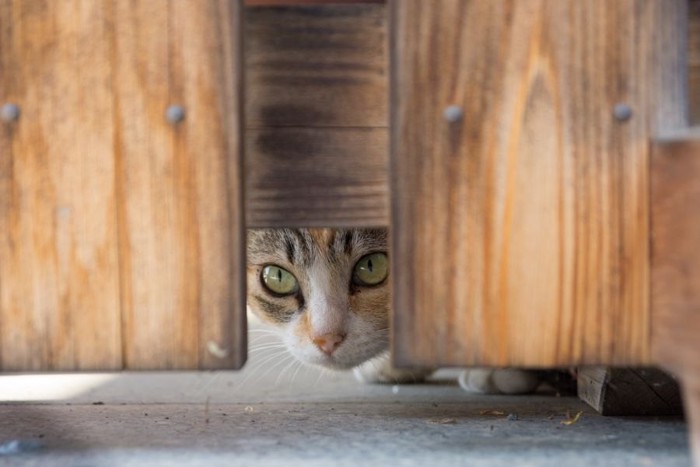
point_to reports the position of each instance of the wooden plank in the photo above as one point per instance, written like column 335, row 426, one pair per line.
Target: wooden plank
column 316, row 111
column 520, row 228
column 122, row 239
column 305, row 2
column 178, row 184
column 321, row 66
column 675, row 262
column 694, row 60
column 59, row 288
column 629, row 391
column 317, row 177
column 675, row 265
column 691, row 397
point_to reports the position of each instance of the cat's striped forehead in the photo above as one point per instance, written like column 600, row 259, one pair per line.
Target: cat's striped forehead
column 302, row 246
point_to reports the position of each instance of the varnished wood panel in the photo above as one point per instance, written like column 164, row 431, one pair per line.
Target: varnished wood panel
column 520, row 230
column 316, row 111
column 121, row 234
column 179, row 194
column 59, row 288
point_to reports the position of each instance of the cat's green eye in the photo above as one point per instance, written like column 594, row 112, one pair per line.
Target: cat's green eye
column 279, row 281
column 371, row 269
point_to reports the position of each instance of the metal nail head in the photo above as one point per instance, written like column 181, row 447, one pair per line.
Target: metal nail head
column 453, row 113
column 175, row 114
column 9, row 112
column 622, row 112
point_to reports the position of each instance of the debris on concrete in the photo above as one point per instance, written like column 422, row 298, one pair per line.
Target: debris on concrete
column 571, row 420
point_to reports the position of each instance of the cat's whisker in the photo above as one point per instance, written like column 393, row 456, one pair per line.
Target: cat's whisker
column 299, row 367
column 320, row 375
column 281, row 362
column 257, row 355
column 284, row 370
column 267, row 346
column 264, row 360
column 260, row 338
column 263, row 330
column 259, row 366
column 267, row 357
column 263, row 334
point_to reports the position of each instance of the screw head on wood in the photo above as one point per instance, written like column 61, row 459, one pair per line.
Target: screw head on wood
column 622, row 112
column 9, row 112
column 453, row 113
column 175, row 114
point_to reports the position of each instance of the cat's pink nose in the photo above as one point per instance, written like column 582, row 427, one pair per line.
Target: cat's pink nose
column 328, row 342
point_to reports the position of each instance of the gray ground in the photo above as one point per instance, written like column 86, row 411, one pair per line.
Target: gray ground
column 287, row 415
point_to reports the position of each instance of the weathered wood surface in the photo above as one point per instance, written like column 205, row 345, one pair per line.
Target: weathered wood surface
column 675, row 265
column 317, row 176
column 316, row 111
column 520, row 231
column 121, row 235
column 694, row 60
column 675, row 261
column 629, row 391
column 59, row 283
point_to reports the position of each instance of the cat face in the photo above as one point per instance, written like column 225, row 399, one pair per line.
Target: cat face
column 325, row 290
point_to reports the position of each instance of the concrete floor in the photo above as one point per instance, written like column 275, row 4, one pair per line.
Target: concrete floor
column 282, row 414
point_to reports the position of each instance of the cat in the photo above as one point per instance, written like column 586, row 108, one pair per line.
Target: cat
column 327, row 293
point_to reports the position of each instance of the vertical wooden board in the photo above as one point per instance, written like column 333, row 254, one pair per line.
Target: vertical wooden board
column 181, row 224
column 694, row 60
column 675, row 266
column 521, row 228
column 208, row 45
column 59, row 293
column 675, row 261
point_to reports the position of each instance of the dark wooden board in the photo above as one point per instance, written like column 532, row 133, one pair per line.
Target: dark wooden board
column 630, row 391
column 316, row 114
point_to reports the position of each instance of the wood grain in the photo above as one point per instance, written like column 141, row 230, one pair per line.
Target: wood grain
column 321, row 66
column 675, row 265
column 305, row 2
column 59, row 287
column 317, row 177
column 316, row 114
column 121, row 235
column 694, row 60
column 675, row 262
column 178, row 185
column 521, row 230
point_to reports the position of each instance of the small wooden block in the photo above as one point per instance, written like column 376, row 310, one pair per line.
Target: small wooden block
column 629, row 391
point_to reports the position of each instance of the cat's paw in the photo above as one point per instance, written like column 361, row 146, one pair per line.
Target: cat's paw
column 499, row 381
column 379, row 371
